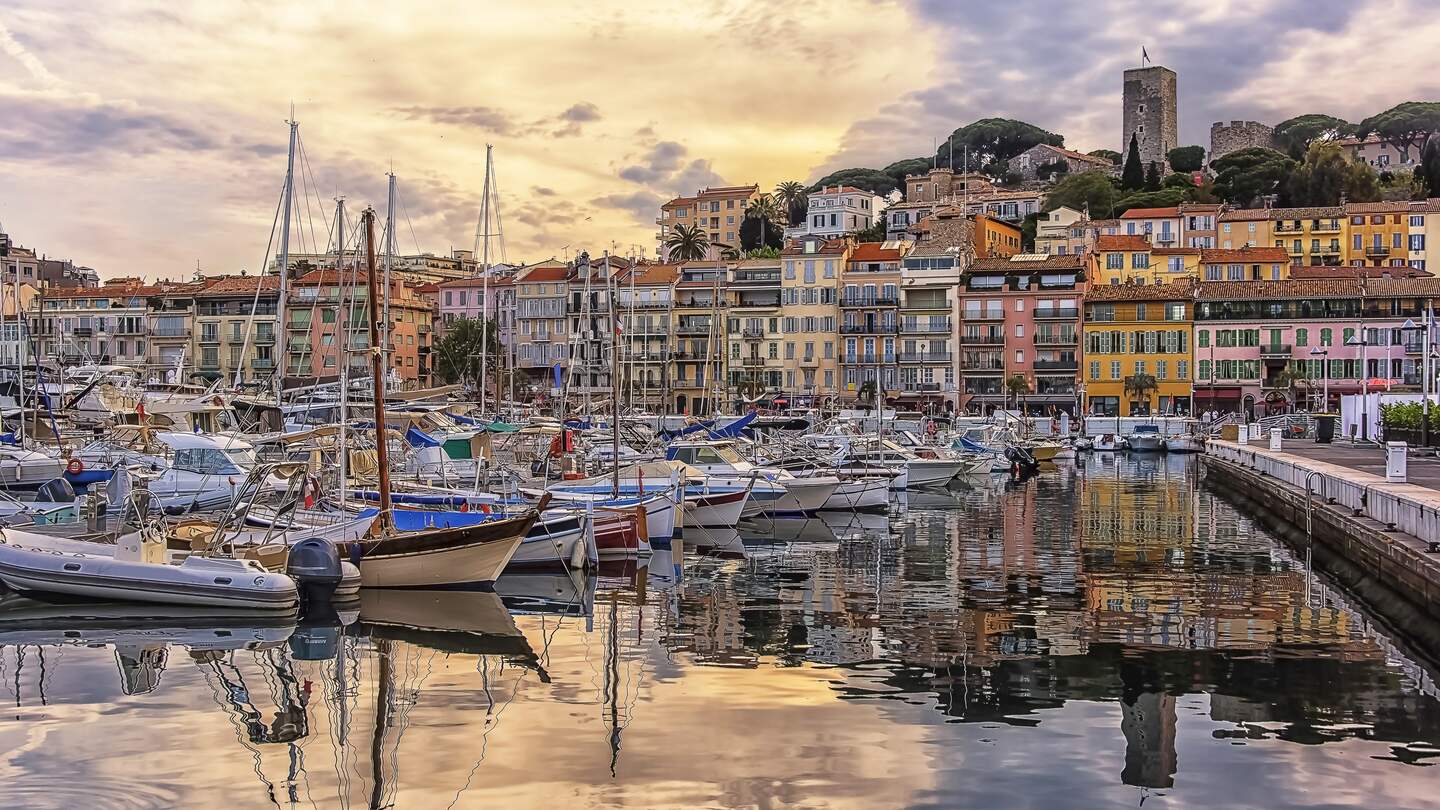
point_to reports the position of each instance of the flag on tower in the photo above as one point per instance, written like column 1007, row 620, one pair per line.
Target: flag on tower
column 1144, row 56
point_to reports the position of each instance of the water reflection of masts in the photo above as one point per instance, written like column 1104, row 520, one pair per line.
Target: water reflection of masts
column 291, row 719
column 382, row 722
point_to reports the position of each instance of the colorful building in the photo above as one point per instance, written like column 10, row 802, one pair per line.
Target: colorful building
column 757, row 369
column 645, row 299
column 1379, row 234
column 329, row 319
column 717, row 211
column 1021, row 317
column 1132, row 331
column 234, row 329
column 540, row 343
column 698, row 381
column 1245, row 264
column 994, row 238
column 869, row 318
column 810, row 292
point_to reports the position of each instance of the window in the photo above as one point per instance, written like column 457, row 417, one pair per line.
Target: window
column 1019, row 356
column 1182, row 369
column 1114, row 369
column 1019, row 330
column 1140, row 261
column 1203, row 338
column 1236, row 272
column 1094, row 369
column 1212, row 272
column 1202, row 370
column 1302, row 337
column 1325, row 337
column 1162, row 369
column 1114, row 261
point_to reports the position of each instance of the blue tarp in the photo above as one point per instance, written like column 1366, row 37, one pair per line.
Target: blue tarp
column 8, row 438
column 974, row 447
column 734, row 429
column 688, row 429
column 419, row 438
column 413, row 520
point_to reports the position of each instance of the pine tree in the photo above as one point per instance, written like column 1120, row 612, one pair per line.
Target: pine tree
column 1152, row 177
column 1132, row 178
column 1429, row 168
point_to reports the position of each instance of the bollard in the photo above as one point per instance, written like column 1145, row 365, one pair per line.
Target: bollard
column 1275, row 439
column 1242, row 434
column 1395, row 462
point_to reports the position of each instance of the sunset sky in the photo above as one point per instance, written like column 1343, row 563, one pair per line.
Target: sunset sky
column 143, row 137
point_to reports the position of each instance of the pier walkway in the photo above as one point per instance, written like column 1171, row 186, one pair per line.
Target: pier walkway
column 1421, row 471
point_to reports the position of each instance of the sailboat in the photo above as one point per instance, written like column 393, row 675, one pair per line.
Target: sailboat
column 435, row 557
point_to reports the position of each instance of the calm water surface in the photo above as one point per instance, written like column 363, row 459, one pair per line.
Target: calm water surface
column 1100, row 636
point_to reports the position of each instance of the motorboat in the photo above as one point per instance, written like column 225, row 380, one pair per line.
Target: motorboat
column 23, row 469
column 1185, row 443
column 1107, row 443
column 183, row 470
column 557, row 538
column 860, row 493
column 1145, row 439
column 138, row 569
column 721, row 461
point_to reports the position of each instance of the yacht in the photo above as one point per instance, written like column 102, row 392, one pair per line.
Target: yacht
column 1145, row 439
column 721, row 460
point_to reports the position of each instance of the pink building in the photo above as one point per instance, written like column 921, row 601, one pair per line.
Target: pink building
column 1341, row 334
column 465, row 298
column 1021, row 316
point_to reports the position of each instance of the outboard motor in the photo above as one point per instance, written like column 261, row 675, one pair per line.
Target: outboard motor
column 56, row 490
column 315, row 566
column 1021, row 460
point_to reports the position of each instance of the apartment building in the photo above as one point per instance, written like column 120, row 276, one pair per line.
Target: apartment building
column 870, row 319
column 717, row 211
column 541, row 351
column 928, row 314
column 810, row 292
column 1121, row 259
column 698, row 380
column 1053, row 231
column 170, row 324
column 646, row 298
column 417, row 269
column 103, row 325
column 1161, row 227
column 1245, row 264
column 1021, row 317
column 1198, row 223
column 233, row 336
column 1379, row 234
column 926, row 193
column 837, row 210
column 329, row 319
column 755, row 337
column 1132, row 330
column 994, row 238
column 590, row 314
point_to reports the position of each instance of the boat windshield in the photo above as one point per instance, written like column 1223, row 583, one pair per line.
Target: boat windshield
column 206, row 461
column 729, row 455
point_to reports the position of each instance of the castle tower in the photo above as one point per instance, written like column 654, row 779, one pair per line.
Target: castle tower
column 1151, row 113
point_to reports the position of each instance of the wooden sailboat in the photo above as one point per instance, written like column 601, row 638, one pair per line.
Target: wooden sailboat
column 440, row 557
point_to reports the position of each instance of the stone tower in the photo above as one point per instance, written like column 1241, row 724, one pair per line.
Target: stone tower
column 1151, row 113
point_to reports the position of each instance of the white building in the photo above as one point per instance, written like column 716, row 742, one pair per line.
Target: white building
column 838, row 210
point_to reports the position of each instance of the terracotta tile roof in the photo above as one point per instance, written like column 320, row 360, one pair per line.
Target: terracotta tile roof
column 130, row 289
column 1050, row 262
column 1243, row 255
column 1261, row 214
column 1060, row 150
column 1402, row 287
column 1199, row 208
column 1141, row 292
column 1150, row 213
column 837, row 190
column 1120, row 241
column 1098, row 223
column 1277, row 290
column 239, row 285
column 874, row 252
column 1380, row 207
column 428, row 289
column 679, row 201
column 1175, row 251
column 828, row 247
column 543, row 274
column 654, row 275
column 1344, row 271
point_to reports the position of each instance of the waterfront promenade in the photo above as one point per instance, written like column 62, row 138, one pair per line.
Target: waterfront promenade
column 1422, row 471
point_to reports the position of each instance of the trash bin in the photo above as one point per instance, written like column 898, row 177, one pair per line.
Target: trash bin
column 1324, row 428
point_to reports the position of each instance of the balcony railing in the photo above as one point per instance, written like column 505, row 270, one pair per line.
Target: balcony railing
column 755, row 361
column 1288, row 227
column 925, row 357
column 871, row 301
column 920, row 387
column 1055, row 339
column 867, row 359
column 1377, row 250
column 263, row 362
column 209, row 337
column 983, row 340
column 752, row 334
column 1276, row 350
column 169, row 332
column 264, row 340
column 1057, row 365
column 926, row 303
column 984, row 315
column 868, row 329
column 1332, row 226
column 1068, row 313
column 926, row 328
column 693, row 329
column 758, row 303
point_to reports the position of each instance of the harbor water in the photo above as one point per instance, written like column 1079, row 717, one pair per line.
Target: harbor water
column 1103, row 634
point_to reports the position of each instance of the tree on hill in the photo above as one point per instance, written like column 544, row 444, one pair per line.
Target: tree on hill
column 900, row 168
column 792, row 198
column 1402, row 125
column 1328, row 175
column 1132, row 177
column 1428, row 171
column 874, row 233
column 1109, row 154
column 1086, row 191
column 1152, row 177
column 1294, row 135
column 1245, row 175
column 993, row 139
column 872, row 180
column 1177, row 180
column 1186, row 158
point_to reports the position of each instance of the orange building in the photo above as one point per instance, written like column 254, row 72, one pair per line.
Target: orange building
column 1378, row 234
column 328, row 319
column 995, row 238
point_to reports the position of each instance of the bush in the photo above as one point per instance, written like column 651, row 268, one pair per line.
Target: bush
column 1407, row 416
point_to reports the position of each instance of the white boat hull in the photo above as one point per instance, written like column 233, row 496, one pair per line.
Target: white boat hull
column 931, row 473
column 470, row 563
column 714, row 510
column 860, row 493
column 1184, row 444
column 1145, row 444
column 563, row 547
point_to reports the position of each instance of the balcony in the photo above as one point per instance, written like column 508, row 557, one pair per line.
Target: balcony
column 810, row 361
column 758, row 303
column 985, row 370
column 169, row 332
column 129, row 330
column 1055, row 339
column 1055, row 388
column 209, row 337
column 1164, row 239
column 1057, row 365
column 755, row 361
column 926, row 328
column 1277, row 350
column 1289, row 227
column 693, row 329
column 866, row 359
column 1065, row 313
column 1377, row 250
column 1332, row 226
column 1325, row 250
column 994, row 339
column 870, row 301
column 644, row 305
column 920, row 387
column 983, row 390
column 915, row 302
column 868, row 329
column 756, row 280
column 984, row 315
column 82, row 332
column 925, row 357
column 264, row 339
column 1295, row 250
column 752, row 334
column 266, row 363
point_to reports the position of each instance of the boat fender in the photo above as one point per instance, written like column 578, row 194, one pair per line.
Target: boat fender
column 75, row 466
column 464, row 506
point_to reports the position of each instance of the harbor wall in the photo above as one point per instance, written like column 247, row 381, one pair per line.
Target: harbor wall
column 1364, row 530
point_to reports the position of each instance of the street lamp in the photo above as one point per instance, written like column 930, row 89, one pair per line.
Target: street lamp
column 1411, row 327
column 1316, row 351
column 1364, row 386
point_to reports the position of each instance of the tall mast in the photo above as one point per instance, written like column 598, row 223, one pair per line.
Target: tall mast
column 482, row 247
column 342, row 325
column 389, row 257
column 285, row 253
column 377, row 370
column 614, row 375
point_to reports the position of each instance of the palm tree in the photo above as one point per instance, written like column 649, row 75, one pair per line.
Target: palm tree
column 1017, row 386
column 1288, row 379
column 687, row 243
column 1141, row 386
column 792, row 196
column 763, row 208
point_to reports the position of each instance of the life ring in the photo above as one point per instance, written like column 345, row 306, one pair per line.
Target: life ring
column 75, row 467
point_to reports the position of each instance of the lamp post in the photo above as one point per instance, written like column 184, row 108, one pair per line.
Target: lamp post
column 1364, row 386
column 1316, row 351
column 1411, row 327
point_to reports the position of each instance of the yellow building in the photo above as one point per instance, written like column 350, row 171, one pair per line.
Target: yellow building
column 1132, row 330
column 810, row 280
column 1378, row 234
column 1125, row 259
column 1245, row 264
column 1312, row 237
column 697, row 382
column 716, row 211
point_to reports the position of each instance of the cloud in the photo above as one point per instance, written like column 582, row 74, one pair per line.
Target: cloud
column 574, row 118
column 47, row 127
column 542, row 191
column 29, row 61
column 656, row 165
column 489, row 119
column 641, row 205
